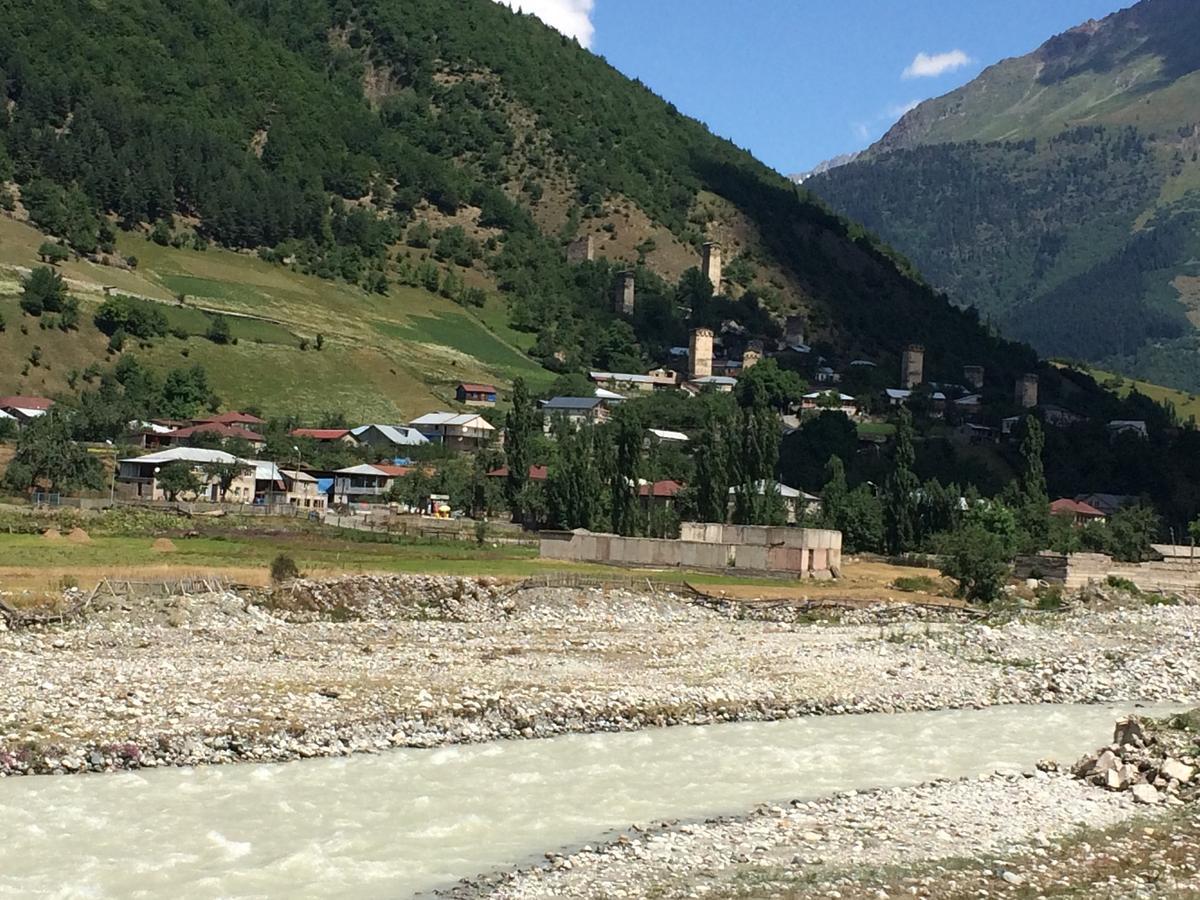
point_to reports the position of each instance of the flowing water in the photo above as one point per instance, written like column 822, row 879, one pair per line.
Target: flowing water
column 409, row 820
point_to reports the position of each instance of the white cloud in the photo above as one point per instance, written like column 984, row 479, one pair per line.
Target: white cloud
column 571, row 17
column 925, row 65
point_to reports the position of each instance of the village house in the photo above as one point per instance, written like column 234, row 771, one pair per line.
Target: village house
column 575, row 410
column 659, row 494
column 137, row 477
column 536, row 473
column 234, row 419
column 24, row 410
column 325, row 435
column 664, row 436
column 465, row 432
column 210, row 431
column 274, row 486
column 795, row 502
column 389, row 439
column 1077, row 511
column 472, row 394
column 832, row 400
column 722, row 384
column 654, row 380
column 364, row 483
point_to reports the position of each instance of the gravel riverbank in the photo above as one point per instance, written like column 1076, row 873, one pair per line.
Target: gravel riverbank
column 1043, row 833
column 363, row 664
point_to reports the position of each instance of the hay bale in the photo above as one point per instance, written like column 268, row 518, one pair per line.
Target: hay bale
column 52, row 534
column 79, row 536
column 163, row 545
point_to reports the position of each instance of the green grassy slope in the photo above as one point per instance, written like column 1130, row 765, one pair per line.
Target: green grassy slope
column 385, row 357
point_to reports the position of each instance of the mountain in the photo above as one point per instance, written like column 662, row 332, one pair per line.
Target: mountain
column 401, row 177
column 1058, row 193
column 826, row 165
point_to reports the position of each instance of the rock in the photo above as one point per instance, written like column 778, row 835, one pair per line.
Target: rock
column 1175, row 770
column 1129, row 730
column 1145, row 793
column 1011, row 877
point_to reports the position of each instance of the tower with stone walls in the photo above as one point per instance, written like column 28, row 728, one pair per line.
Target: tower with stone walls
column 700, row 353
column 623, row 293
column 581, row 249
column 1026, row 392
column 912, row 366
column 973, row 375
column 710, row 264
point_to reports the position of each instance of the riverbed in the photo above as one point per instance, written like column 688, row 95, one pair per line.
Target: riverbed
column 408, row 821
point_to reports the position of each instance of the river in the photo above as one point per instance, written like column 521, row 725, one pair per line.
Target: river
column 405, row 821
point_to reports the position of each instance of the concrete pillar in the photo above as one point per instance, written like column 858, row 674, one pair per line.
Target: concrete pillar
column 710, row 265
column 623, row 294
column 700, row 353
column 912, row 366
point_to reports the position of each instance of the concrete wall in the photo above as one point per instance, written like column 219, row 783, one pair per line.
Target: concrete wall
column 794, row 551
column 1080, row 569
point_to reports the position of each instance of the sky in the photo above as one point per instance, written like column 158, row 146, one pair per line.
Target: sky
column 799, row 81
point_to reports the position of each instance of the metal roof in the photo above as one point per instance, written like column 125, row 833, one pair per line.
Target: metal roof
column 571, row 403
column 471, row 420
column 185, row 454
column 400, row 435
column 664, row 435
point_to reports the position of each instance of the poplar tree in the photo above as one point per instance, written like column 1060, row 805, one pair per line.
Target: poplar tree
column 712, row 468
column 1033, row 507
column 900, row 492
column 627, row 458
column 521, row 426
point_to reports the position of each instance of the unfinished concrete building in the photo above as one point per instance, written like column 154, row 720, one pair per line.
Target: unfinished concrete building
column 700, row 353
column 800, row 552
column 581, row 249
column 912, row 366
column 710, row 264
column 623, row 293
column 973, row 375
column 1026, row 391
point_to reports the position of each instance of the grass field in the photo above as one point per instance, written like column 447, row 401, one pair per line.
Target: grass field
column 1186, row 405
column 386, row 357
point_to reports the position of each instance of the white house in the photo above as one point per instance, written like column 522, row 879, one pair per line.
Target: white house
column 461, row 431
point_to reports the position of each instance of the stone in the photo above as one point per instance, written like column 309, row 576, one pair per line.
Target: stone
column 1175, row 770
column 1145, row 793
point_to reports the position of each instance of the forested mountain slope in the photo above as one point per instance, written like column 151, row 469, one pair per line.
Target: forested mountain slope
column 395, row 149
column 1059, row 192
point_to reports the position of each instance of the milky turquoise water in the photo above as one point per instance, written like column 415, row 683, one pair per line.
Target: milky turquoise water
column 408, row 821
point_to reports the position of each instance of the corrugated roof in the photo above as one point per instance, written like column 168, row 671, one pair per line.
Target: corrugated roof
column 473, row 388
column 466, row 420
column 400, row 435
column 320, row 434
column 184, row 454
column 664, row 435
column 571, row 403
column 233, row 418
column 223, row 431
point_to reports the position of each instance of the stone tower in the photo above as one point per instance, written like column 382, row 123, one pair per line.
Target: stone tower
column 793, row 330
column 710, row 265
column 623, row 293
column 752, row 354
column 1026, row 393
column 973, row 375
column 700, row 353
column 581, row 250
column 912, row 366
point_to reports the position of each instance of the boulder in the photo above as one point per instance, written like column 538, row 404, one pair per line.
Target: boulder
column 1176, row 771
column 1145, row 793
column 1129, row 731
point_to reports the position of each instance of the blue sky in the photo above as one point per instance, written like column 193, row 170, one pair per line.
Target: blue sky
column 799, row 81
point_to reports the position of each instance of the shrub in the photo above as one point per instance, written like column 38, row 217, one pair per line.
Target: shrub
column 1122, row 584
column 975, row 558
column 916, row 583
column 284, row 568
column 218, row 330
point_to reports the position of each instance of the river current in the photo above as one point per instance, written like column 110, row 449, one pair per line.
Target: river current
column 398, row 823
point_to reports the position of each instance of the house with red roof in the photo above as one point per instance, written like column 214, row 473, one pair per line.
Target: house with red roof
column 660, row 493
column 235, row 419
column 211, row 430
column 325, row 435
column 24, row 409
column 1079, row 512
column 536, row 473
column 472, row 394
